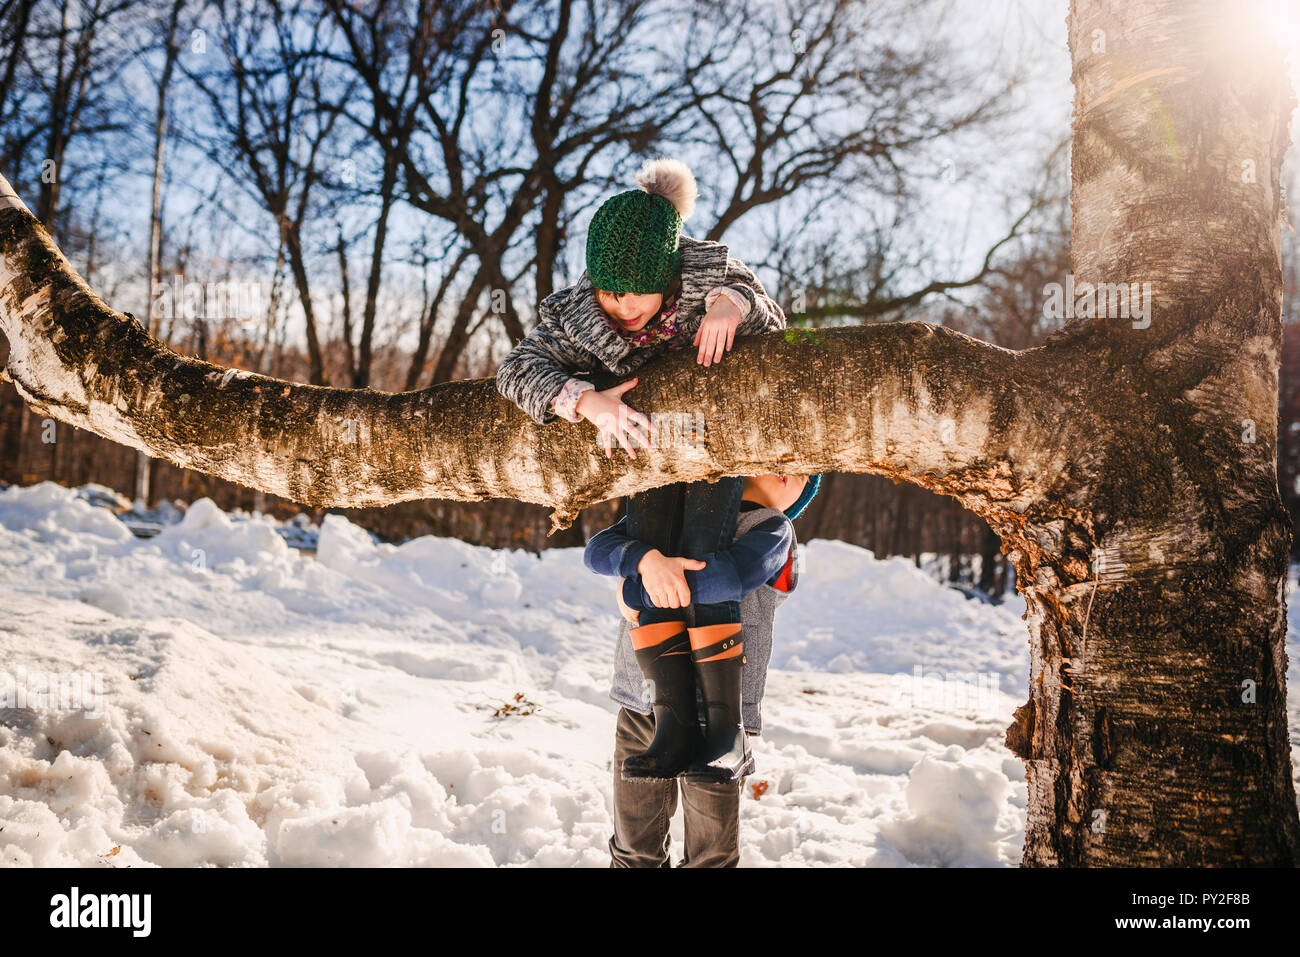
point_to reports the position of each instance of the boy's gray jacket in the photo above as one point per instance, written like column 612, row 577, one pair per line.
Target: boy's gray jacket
column 757, row 611
column 572, row 336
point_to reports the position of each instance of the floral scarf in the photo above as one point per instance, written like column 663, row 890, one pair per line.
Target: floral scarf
column 662, row 328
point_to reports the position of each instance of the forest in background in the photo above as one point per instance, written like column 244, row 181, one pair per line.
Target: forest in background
column 376, row 194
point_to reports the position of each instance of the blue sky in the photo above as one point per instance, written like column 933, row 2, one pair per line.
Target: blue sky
column 974, row 186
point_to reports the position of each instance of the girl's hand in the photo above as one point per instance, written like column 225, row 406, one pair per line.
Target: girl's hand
column 632, row 616
column 717, row 331
column 615, row 421
column 664, row 578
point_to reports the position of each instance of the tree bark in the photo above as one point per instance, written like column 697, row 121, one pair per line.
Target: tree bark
column 943, row 408
column 1156, row 728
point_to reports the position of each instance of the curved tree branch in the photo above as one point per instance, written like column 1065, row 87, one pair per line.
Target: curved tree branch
column 911, row 400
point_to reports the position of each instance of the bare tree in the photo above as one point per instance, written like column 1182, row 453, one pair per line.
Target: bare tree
column 269, row 101
column 171, row 52
column 551, row 74
column 16, row 17
column 431, row 306
column 359, row 343
column 76, row 76
column 507, row 121
column 829, row 92
column 1288, row 426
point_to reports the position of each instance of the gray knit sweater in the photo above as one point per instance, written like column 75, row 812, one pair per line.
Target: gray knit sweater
column 757, row 611
column 573, row 337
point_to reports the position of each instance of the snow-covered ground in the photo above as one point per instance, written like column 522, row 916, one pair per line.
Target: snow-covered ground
column 212, row 696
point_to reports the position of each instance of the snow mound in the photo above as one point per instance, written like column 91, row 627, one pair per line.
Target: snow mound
column 213, row 697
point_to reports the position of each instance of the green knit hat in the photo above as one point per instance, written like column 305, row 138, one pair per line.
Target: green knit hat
column 633, row 242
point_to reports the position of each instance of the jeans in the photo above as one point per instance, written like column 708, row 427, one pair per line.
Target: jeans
column 688, row 520
column 685, row 520
column 642, row 810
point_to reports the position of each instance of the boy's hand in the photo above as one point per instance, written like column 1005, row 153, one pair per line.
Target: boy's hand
column 615, row 421
column 628, row 613
column 717, row 331
column 664, row 578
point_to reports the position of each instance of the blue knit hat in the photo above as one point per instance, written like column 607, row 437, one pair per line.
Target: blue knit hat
column 809, row 490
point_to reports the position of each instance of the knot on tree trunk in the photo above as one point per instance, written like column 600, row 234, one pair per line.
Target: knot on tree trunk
column 1020, row 732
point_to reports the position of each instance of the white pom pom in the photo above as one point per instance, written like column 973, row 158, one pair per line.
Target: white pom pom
column 673, row 180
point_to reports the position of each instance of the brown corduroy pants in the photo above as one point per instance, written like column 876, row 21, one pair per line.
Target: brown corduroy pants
column 642, row 810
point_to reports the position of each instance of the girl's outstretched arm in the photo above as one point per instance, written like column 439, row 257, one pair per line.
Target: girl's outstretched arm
column 764, row 314
column 536, row 370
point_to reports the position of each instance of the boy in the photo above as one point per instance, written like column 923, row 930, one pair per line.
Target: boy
column 666, row 733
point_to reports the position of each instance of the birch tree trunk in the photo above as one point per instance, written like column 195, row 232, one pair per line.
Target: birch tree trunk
column 1156, row 728
column 1128, row 465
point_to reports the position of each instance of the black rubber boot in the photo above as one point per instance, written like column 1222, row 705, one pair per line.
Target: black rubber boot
column 667, row 666
column 724, row 756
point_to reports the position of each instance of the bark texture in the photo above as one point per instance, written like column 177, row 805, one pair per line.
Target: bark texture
column 952, row 413
column 1127, row 466
column 1156, row 728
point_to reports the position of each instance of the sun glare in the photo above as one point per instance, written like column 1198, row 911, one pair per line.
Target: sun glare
column 1238, row 32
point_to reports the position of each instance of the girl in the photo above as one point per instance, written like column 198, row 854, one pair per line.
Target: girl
column 647, row 290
